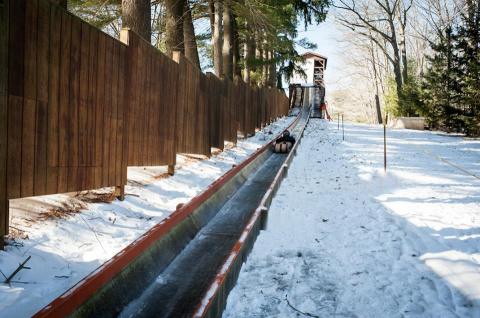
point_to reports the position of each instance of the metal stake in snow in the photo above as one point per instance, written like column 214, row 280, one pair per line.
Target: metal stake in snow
column 385, row 143
column 338, row 121
column 343, row 130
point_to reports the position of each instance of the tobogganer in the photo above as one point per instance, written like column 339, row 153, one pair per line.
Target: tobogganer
column 284, row 143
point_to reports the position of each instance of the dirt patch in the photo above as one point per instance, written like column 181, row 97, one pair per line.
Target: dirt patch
column 135, row 183
column 162, row 176
column 15, row 235
column 96, row 196
column 63, row 210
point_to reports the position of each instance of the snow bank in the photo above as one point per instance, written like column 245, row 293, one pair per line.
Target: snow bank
column 64, row 250
column 346, row 239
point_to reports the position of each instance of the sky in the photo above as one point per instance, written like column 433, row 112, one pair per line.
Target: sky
column 326, row 36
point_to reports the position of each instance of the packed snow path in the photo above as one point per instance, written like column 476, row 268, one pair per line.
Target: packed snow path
column 344, row 239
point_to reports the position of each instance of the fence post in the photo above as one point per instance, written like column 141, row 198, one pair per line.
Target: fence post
column 4, row 207
column 385, row 142
column 125, row 39
column 120, row 192
column 171, row 170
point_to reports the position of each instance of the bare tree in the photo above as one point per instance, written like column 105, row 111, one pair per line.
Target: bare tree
column 376, row 20
column 403, row 8
column 437, row 15
column 367, row 70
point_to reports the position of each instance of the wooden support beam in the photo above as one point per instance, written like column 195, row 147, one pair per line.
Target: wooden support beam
column 171, row 170
column 4, row 217
column 120, row 192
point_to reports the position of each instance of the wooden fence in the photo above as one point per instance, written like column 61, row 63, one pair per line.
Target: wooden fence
column 78, row 106
column 151, row 109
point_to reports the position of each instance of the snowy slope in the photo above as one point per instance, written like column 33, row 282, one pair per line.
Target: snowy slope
column 344, row 239
column 64, row 250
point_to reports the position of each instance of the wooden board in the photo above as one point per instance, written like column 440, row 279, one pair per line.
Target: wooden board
column 41, row 118
column 53, row 100
column 4, row 36
column 30, row 99
column 99, row 110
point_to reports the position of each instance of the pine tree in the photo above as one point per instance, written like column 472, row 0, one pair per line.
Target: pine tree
column 439, row 87
column 468, row 61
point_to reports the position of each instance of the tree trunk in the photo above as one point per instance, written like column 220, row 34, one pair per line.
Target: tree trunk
column 247, row 57
column 375, row 78
column 249, row 52
column 174, row 26
column 227, row 40
column 62, row 3
column 217, row 39
column 272, row 72
column 211, row 14
column 403, row 48
column 236, row 48
column 136, row 15
column 397, row 69
column 266, row 66
column 258, row 67
column 191, row 50
column 449, row 65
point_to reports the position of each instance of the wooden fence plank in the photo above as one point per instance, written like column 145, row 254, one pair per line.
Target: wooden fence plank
column 107, row 109
column 41, row 125
column 29, row 103
column 155, row 127
column 83, row 123
column 53, row 100
column 64, row 103
column 180, row 102
column 124, row 122
column 113, row 118
column 4, row 209
column 99, row 111
column 140, row 128
column 83, row 143
column 130, row 56
column 155, row 109
column 91, row 108
column 15, row 96
column 146, row 88
column 120, row 116
column 73, row 117
column 169, row 91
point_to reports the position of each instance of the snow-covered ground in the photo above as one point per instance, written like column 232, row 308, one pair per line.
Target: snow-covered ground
column 344, row 239
column 64, row 250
